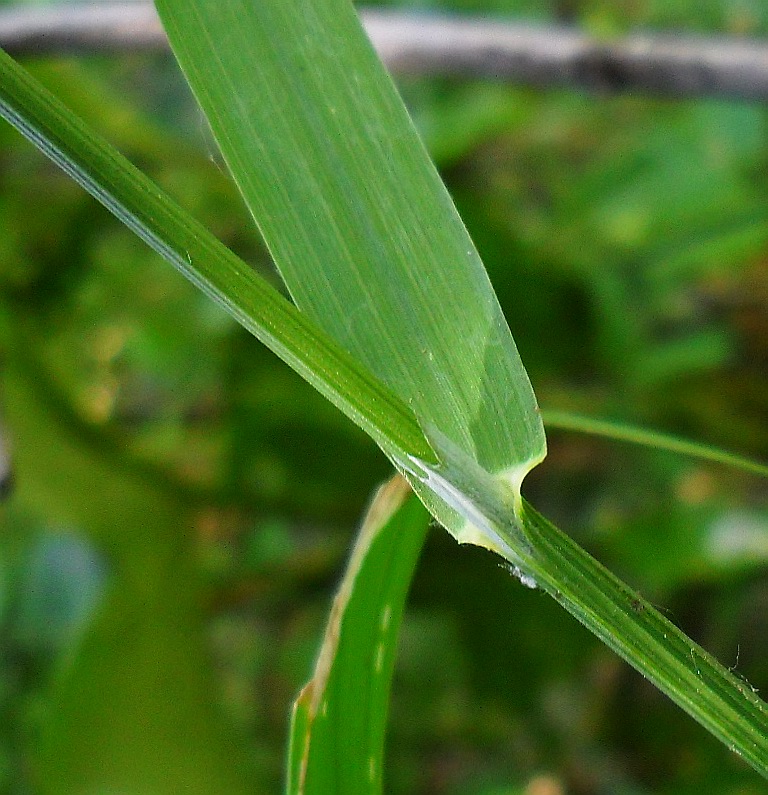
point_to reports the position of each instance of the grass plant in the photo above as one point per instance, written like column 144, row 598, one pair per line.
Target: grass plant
column 393, row 319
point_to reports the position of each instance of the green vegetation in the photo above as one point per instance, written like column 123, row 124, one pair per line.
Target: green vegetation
column 182, row 501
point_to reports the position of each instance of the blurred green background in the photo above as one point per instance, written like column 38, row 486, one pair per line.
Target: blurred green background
column 182, row 503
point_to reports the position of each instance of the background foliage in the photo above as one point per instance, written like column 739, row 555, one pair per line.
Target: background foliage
column 148, row 428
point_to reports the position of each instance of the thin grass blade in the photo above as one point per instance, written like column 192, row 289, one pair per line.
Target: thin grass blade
column 633, row 434
column 337, row 733
column 204, row 260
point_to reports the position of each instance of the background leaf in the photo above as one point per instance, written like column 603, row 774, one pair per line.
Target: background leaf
column 131, row 706
column 621, row 432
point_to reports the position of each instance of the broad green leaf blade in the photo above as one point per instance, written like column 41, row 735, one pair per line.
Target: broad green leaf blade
column 356, row 217
column 210, row 265
column 621, row 432
column 337, row 733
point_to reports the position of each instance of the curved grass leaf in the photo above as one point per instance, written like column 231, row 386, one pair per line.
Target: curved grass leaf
column 337, row 732
column 621, row 432
column 356, row 217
